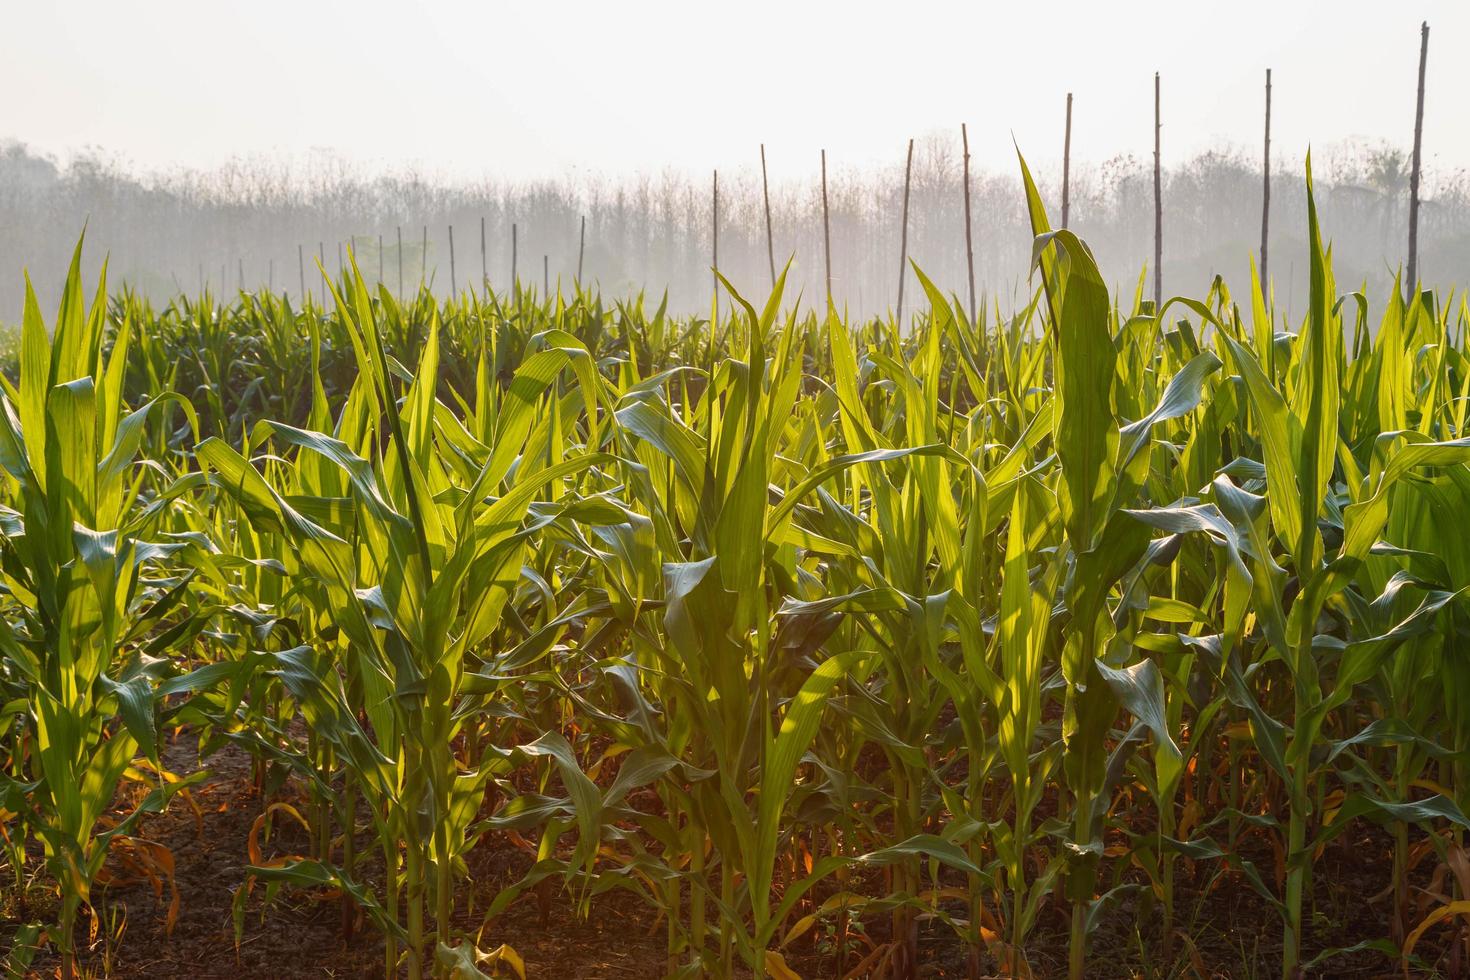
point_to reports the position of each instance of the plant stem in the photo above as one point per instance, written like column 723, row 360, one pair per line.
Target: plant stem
column 1077, row 945
column 698, row 928
column 390, row 890
column 1296, row 865
column 1166, row 874
column 349, row 851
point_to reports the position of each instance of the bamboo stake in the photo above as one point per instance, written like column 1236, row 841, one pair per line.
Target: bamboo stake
column 766, row 194
column 1158, row 207
column 581, row 250
column 903, row 247
column 826, row 231
column 1067, row 166
column 969, row 235
column 453, row 277
column 715, row 257
column 1418, row 157
column 1266, row 194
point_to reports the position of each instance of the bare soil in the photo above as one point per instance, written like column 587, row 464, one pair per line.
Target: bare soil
column 1226, row 931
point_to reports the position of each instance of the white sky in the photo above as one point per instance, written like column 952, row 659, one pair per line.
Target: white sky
column 540, row 88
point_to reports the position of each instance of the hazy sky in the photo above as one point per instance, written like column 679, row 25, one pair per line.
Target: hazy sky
column 550, row 88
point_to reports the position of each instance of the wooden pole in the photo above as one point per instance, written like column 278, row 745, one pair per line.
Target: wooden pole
column 400, row 261
column 484, row 262
column 903, row 247
column 1158, row 207
column 715, row 247
column 1266, row 195
column 766, row 194
column 581, row 249
column 1418, row 157
column 453, row 276
column 826, row 231
column 1067, row 166
column 969, row 235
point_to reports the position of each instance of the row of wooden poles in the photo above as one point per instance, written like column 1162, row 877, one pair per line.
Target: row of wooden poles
column 1158, row 286
column 453, row 272
column 1158, row 278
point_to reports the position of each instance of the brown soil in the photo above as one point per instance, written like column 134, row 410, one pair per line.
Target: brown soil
column 1231, row 931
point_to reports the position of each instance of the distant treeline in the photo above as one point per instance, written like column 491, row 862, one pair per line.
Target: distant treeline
column 245, row 223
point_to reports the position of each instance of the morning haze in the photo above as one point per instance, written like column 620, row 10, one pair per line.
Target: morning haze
column 323, row 124
column 583, row 602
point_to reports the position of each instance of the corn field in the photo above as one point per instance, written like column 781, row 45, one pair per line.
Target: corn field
column 828, row 642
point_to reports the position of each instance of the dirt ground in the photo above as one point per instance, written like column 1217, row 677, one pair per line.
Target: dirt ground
column 1230, row 932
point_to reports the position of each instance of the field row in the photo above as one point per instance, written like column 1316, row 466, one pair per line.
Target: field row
column 809, row 634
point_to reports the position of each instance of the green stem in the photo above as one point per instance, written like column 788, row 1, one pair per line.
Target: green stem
column 698, row 926
column 349, row 851
column 69, row 905
column 905, row 877
column 727, row 928
column 1166, row 875
column 1401, row 849
column 413, row 794
column 1018, row 914
column 1077, row 949
column 1236, row 779
column 1296, row 871
column 444, row 881
column 671, row 906
column 390, row 889
column 1077, row 945
column 1296, row 867
column 976, row 899
column 414, row 885
column 1298, row 806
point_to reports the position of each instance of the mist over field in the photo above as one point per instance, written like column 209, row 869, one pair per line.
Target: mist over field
column 433, row 546
column 263, row 222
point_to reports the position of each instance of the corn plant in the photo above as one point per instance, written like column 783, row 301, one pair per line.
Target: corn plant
column 82, row 600
column 391, row 571
column 813, row 633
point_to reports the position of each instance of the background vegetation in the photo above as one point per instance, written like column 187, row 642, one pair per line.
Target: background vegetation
column 181, row 231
